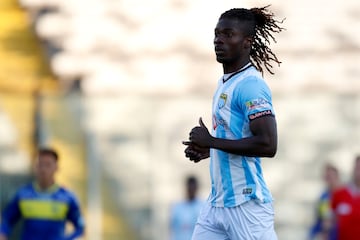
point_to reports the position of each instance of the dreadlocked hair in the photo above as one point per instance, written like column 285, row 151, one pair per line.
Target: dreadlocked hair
column 260, row 25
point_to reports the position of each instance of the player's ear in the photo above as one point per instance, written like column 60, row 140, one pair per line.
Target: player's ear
column 248, row 42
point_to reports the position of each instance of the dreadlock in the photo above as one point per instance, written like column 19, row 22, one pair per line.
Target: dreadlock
column 260, row 25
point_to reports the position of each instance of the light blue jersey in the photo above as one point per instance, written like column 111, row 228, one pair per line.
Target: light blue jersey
column 183, row 218
column 235, row 179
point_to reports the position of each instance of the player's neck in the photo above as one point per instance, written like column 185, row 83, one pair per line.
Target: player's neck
column 190, row 199
column 45, row 185
column 333, row 188
column 235, row 66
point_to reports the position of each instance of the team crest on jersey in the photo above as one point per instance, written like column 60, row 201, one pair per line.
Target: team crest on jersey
column 222, row 100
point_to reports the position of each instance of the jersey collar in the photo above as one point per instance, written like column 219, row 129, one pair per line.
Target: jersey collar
column 226, row 77
column 51, row 189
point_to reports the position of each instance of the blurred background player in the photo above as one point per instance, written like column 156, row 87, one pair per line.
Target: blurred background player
column 345, row 203
column 183, row 215
column 44, row 206
column 323, row 226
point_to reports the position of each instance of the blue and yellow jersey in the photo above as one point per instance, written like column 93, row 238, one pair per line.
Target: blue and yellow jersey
column 45, row 213
column 323, row 213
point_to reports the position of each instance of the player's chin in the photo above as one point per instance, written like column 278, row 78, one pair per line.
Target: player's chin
column 222, row 59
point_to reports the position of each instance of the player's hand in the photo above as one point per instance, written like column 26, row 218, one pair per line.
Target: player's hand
column 200, row 135
column 195, row 153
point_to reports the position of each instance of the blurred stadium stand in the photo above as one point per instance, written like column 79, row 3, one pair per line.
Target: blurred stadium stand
column 34, row 112
column 121, row 85
column 22, row 74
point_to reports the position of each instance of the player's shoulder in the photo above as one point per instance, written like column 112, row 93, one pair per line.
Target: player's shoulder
column 325, row 195
column 180, row 205
column 177, row 205
column 66, row 192
column 341, row 191
column 254, row 81
column 251, row 78
column 253, row 84
column 25, row 189
column 252, row 73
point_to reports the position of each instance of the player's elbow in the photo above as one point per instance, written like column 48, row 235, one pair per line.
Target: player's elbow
column 270, row 149
column 265, row 151
column 271, row 152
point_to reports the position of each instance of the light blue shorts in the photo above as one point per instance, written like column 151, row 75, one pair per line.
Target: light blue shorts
column 248, row 221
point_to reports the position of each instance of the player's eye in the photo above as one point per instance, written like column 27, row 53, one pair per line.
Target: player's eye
column 229, row 34
column 223, row 34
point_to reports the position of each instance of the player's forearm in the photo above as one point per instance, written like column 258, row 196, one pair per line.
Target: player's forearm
column 255, row 146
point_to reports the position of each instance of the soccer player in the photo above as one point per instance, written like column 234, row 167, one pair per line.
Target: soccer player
column 323, row 227
column 243, row 130
column 345, row 203
column 44, row 206
column 184, row 214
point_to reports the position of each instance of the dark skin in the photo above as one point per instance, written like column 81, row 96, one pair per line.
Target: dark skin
column 191, row 189
column 232, row 49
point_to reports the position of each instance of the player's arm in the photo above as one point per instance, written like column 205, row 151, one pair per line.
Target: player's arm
column 9, row 217
column 75, row 217
column 262, row 143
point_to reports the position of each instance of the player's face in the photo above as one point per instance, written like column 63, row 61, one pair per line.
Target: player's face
column 45, row 168
column 357, row 170
column 191, row 190
column 331, row 176
column 230, row 42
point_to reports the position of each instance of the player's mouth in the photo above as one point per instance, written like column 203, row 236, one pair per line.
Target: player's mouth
column 220, row 51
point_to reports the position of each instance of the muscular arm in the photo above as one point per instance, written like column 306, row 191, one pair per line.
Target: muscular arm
column 263, row 143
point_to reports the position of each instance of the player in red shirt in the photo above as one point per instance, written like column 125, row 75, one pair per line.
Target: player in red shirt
column 346, row 206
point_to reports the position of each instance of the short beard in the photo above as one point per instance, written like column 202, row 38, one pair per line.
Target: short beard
column 225, row 60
